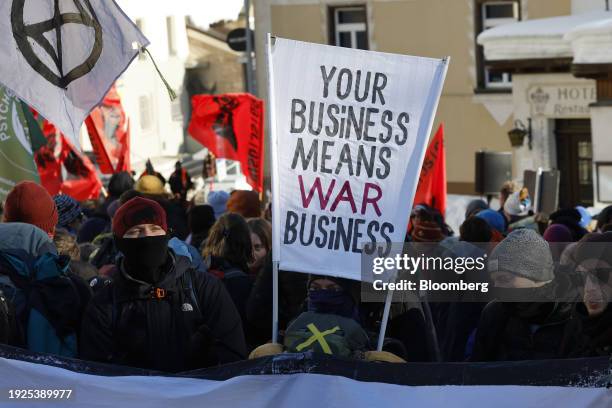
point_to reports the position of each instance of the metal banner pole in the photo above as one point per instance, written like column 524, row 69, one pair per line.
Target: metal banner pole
column 385, row 320
column 275, row 302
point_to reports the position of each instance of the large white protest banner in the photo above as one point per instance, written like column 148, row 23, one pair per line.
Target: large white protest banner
column 62, row 56
column 25, row 384
column 349, row 133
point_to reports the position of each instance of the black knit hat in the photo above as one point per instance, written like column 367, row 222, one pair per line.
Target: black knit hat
column 68, row 209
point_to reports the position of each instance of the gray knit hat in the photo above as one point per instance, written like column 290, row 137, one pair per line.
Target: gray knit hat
column 524, row 253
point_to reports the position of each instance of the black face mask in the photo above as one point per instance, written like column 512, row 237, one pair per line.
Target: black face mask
column 144, row 257
column 531, row 304
column 336, row 302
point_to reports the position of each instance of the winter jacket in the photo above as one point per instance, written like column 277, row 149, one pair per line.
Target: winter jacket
column 504, row 335
column 326, row 333
column 236, row 281
column 410, row 329
column 455, row 321
column 455, row 326
column 587, row 336
column 8, row 324
column 291, row 296
column 186, row 321
column 48, row 301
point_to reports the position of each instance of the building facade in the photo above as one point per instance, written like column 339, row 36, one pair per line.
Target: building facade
column 156, row 122
column 477, row 103
column 562, row 70
column 212, row 68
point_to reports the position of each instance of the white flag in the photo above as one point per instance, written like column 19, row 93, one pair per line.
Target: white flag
column 62, row 56
column 349, row 132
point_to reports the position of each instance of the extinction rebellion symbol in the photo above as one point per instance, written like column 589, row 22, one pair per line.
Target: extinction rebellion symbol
column 36, row 31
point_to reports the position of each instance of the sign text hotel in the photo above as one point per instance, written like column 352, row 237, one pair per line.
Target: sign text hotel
column 561, row 101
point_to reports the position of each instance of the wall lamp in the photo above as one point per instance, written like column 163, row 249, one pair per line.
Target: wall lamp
column 518, row 133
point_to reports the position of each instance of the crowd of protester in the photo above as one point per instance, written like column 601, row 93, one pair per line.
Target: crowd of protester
column 146, row 278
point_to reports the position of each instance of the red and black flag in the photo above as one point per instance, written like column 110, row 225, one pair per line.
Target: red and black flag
column 231, row 127
column 64, row 169
column 109, row 132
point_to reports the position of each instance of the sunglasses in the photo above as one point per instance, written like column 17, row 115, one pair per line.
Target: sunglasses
column 603, row 274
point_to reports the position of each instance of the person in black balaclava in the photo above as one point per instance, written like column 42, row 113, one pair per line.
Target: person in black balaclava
column 158, row 312
column 331, row 325
column 331, row 309
column 331, row 295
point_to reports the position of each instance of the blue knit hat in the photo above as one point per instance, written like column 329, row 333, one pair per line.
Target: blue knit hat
column 68, row 209
column 493, row 218
column 218, row 201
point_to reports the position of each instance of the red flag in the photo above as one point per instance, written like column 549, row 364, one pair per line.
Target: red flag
column 231, row 127
column 432, row 181
column 63, row 169
column 109, row 132
column 80, row 180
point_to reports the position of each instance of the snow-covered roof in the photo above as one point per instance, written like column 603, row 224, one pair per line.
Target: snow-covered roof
column 540, row 38
column 592, row 42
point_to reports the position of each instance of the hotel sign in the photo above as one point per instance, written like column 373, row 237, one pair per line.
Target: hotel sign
column 561, row 101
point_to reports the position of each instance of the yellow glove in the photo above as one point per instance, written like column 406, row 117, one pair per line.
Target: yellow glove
column 268, row 349
column 383, row 356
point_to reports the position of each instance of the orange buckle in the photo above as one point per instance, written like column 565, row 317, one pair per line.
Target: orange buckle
column 158, row 293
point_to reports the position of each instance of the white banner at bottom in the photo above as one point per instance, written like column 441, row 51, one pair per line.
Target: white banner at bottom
column 295, row 390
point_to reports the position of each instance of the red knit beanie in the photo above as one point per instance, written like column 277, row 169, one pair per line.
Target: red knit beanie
column 30, row 203
column 138, row 211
